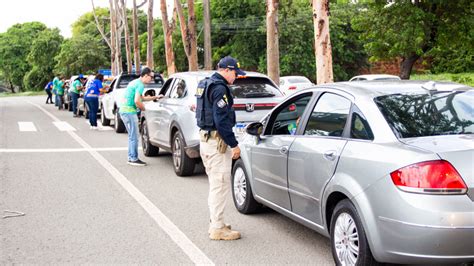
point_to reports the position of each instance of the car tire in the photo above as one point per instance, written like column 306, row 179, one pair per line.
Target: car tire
column 242, row 191
column 182, row 164
column 119, row 126
column 148, row 148
column 69, row 106
column 345, row 222
column 86, row 111
column 103, row 120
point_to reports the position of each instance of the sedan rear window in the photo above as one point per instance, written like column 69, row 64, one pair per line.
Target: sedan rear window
column 254, row 87
column 429, row 114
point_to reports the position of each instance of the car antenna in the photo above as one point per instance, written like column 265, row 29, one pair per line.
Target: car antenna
column 429, row 86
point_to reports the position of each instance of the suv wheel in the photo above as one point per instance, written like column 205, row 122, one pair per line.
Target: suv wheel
column 86, row 111
column 119, row 126
column 182, row 164
column 103, row 119
column 242, row 191
column 148, row 148
column 348, row 241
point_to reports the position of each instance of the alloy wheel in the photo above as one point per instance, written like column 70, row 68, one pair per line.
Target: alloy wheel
column 240, row 186
column 144, row 137
column 346, row 239
column 177, row 153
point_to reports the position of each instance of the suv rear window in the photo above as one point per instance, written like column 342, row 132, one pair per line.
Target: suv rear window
column 438, row 113
column 254, row 87
column 126, row 79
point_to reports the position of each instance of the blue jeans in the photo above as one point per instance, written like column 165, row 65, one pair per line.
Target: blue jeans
column 93, row 106
column 56, row 101
column 74, row 97
column 131, row 123
column 59, row 99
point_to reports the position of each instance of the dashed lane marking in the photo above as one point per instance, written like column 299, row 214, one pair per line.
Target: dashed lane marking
column 26, row 126
column 63, row 126
column 187, row 246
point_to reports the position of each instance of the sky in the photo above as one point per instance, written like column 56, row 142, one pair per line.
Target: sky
column 54, row 13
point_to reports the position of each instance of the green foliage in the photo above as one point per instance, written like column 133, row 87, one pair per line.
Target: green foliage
column 15, row 45
column 463, row 78
column 82, row 54
column 41, row 57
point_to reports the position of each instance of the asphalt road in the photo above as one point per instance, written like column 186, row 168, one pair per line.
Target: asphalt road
column 84, row 205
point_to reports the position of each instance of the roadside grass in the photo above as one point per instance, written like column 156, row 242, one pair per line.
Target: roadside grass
column 25, row 93
column 463, row 78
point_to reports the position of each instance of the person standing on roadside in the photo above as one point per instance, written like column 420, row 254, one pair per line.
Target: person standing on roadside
column 91, row 97
column 58, row 87
column 216, row 119
column 48, row 88
column 76, row 86
column 133, row 99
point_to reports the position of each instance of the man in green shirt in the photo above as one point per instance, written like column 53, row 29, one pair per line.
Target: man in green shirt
column 58, row 87
column 76, row 86
column 131, row 101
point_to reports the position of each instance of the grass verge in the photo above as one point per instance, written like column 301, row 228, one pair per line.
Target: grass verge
column 25, row 93
column 463, row 78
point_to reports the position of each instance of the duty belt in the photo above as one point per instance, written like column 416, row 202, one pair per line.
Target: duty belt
column 208, row 134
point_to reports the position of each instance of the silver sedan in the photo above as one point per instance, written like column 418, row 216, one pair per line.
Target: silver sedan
column 384, row 168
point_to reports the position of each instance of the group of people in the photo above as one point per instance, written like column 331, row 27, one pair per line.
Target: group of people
column 93, row 88
column 215, row 117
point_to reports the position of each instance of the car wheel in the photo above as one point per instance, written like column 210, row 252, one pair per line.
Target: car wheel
column 86, row 111
column 148, row 148
column 103, row 119
column 119, row 126
column 69, row 106
column 242, row 191
column 183, row 165
column 348, row 241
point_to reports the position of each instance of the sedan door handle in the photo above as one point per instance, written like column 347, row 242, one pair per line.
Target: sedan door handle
column 330, row 155
column 284, row 150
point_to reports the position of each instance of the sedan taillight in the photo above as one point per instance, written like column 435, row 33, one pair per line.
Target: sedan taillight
column 431, row 177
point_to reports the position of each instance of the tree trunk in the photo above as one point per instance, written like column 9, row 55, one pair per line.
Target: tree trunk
column 207, row 35
column 127, row 37
column 323, row 49
column 149, row 49
column 406, row 66
column 168, row 28
column 273, row 53
column 188, row 33
column 118, row 29
column 136, row 50
column 113, row 39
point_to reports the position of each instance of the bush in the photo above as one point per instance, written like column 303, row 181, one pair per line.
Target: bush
column 36, row 79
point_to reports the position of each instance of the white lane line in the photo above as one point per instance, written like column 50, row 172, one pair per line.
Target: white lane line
column 61, row 150
column 26, row 126
column 63, row 126
column 194, row 253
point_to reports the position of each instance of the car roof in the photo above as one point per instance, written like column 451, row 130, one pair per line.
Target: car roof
column 375, row 76
column 206, row 73
column 377, row 88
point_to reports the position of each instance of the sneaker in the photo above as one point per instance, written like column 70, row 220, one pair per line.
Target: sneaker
column 138, row 162
column 74, row 115
column 228, row 226
column 93, row 128
column 224, row 234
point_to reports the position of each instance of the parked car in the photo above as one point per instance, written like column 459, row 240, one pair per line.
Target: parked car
column 170, row 122
column 109, row 102
column 385, row 169
column 374, row 77
column 292, row 84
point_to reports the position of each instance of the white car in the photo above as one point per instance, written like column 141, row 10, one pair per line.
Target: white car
column 108, row 103
column 292, row 84
column 375, row 77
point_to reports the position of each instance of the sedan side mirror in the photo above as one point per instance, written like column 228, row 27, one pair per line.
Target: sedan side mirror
column 254, row 129
column 150, row 92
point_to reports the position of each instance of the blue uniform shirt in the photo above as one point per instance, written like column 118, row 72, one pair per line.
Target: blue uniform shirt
column 223, row 113
column 48, row 86
column 93, row 90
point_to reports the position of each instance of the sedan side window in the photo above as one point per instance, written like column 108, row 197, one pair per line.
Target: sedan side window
column 329, row 116
column 179, row 89
column 166, row 87
column 288, row 117
column 360, row 128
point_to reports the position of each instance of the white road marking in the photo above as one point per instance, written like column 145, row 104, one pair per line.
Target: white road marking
column 194, row 253
column 61, row 150
column 63, row 126
column 26, row 126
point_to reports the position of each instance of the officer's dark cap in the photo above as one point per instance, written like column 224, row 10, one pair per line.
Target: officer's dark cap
column 231, row 63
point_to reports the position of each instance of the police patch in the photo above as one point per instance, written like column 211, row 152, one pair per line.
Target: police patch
column 221, row 103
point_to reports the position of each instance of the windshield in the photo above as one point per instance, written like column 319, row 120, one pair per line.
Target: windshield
column 254, row 87
column 438, row 113
column 125, row 79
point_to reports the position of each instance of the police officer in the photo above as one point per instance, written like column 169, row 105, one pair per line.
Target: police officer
column 218, row 145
